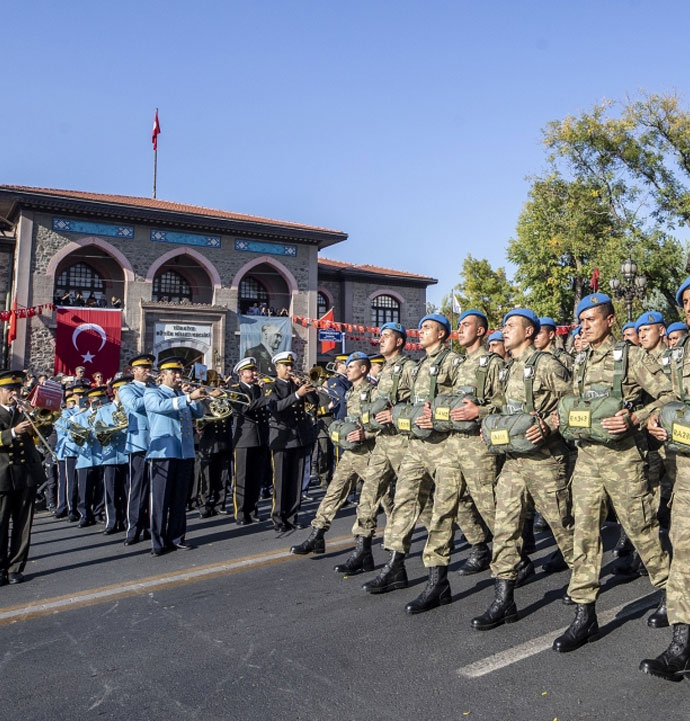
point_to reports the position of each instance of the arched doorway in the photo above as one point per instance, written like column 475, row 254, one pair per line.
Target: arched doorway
column 189, row 357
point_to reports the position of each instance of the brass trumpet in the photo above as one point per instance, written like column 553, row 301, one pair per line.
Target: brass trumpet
column 105, row 434
column 28, row 413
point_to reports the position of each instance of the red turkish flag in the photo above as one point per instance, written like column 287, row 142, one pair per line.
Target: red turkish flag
column 327, row 345
column 89, row 338
column 156, row 131
column 12, row 332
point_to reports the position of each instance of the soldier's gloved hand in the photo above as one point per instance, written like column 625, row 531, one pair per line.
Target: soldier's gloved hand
column 467, row 412
column 621, row 422
column 424, row 420
column 655, row 429
column 384, row 417
column 21, row 428
column 538, row 431
column 356, row 436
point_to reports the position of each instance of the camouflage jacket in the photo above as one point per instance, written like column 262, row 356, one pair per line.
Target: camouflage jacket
column 445, row 374
column 384, row 388
column 468, row 367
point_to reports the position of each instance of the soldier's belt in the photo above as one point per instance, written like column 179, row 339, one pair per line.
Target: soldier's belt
column 580, row 419
column 441, row 408
column 404, row 417
column 506, row 433
column 674, row 418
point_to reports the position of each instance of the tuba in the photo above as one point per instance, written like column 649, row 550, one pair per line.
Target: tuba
column 105, row 434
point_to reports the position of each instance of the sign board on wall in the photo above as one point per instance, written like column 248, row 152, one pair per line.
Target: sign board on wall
column 184, row 335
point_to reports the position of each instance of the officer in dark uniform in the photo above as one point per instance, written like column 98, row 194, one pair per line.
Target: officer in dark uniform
column 213, row 455
column 290, row 436
column 250, row 441
column 20, row 472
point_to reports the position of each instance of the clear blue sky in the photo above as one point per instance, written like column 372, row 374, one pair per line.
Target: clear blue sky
column 410, row 125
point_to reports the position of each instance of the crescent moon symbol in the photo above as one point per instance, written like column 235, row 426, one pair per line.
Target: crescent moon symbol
column 88, row 326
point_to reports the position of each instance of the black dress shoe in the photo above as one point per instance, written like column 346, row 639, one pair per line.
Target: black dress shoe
column 85, row 524
column 3, row 578
column 280, row 528
column 131, row 541
column 72, row 517
column 109, row 531
column 224, row 511
column 205, row 513
column 13, row 578
column 63, row 514
column 158, row 551
column 184, row 546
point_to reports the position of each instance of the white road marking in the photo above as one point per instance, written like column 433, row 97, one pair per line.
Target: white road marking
column 542, row 643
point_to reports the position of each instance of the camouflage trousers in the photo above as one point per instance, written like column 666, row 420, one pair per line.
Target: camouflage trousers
column 668, row 477
column 541, row 477
column 619, row 475
column 351, row 467
column 678, row 586
column 479, row 469
column 382, row 470
column 429, row 463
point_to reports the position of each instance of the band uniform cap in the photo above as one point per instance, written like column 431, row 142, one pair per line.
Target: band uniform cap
column 683, row 287
column 547, row 322
column 629, row 324
column 440, row 319
column 71, row 397
column 397, row 327
column 497, row 335
column 472, row 311
column 79, row 390
column 649, row 318
column 576, row 330
column 358, row 355
column 285, row 357
column 248, row 363
column 143, row 359
column 9, row 378
column 98, row 392
column 121, row 381
column 377, row 358
column 677, row 326
column 171, row 364
column 531, row 316
column 342, row 357
column 593, row 300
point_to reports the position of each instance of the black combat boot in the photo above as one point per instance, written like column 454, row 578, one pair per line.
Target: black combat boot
column 525, row 570
column 583, row 629
column 502, row 609
column 540, row 525
column 555, row 562
column 478, row 560
column 313, row 544
column 674, row 662
column 392, row 576
column 436, row 593
column 659, row 618
column 529, row 544
column 361, row 559
column 623, row 545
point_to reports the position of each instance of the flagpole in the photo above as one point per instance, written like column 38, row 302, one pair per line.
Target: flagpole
column 155, row 162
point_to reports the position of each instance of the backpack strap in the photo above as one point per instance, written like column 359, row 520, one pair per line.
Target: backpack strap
column 677, row 356
column 529, row 373
column 482, row 375
column 620, row 368
column 433, row 373
column 398, row 370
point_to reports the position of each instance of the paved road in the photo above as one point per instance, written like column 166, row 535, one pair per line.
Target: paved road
column 239, row 629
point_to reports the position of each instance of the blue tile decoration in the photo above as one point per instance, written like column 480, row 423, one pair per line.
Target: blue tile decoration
column 168, row 236
column 256, row 246
column 69, row 225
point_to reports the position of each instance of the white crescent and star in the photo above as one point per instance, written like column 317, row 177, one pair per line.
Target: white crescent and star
column 88, row 357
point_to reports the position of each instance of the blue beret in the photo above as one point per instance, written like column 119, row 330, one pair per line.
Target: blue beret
column 439, row 319
column 628, row 325
column 683, row 287
column 576, row 330
column 524, row 313
column 358, row 355
column 676, row 327
column 397, row 327
column 547, row 321
column 592, row 301
column 649, row 318
column 496, row 335
column 472, row 311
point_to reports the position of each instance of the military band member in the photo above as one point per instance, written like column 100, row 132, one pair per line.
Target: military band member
column 533, row 384
column 613, row 473
column 674, row 663
column 377, row 360
column 137, row 444
column 61, row 443
column 290, row 438
column 71, row 453
column 113, row 457
column 214, row 451
column 20, row 473
column 545, row 341
column 352, row 463
column 170, row 412
column 250, row 442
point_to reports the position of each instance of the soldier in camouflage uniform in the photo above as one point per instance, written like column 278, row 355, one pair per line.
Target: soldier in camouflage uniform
column 352, row 464
column 674, row 663
column 545, row 341
column 394, row 383
column 674, row 333
column 540, row 474
column 428, row 461
column 630, row 334
column 613, row 473
column 478, row 373
column 496, row 344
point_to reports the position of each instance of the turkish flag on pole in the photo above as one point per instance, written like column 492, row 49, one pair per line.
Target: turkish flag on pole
column 594, row 280
column 89, row 338
column 12, row 331
column 328, row 345
column 156, row 131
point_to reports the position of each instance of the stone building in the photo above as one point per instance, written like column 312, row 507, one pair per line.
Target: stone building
column 175, row 266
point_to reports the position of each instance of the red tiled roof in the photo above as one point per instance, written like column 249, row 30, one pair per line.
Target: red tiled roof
column 165, row 205
column 366, row 268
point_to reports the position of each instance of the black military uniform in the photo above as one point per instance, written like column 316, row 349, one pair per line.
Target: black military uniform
column 213, row 453
column 250, row 443
column 20, row 472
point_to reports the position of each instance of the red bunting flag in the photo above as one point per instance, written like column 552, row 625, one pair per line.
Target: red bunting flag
column 12, row 333
column 327, row 320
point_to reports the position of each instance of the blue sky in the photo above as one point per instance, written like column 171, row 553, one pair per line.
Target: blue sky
column 412, row 126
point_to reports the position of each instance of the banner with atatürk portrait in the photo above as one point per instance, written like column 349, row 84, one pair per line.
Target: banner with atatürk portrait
column 263, row 336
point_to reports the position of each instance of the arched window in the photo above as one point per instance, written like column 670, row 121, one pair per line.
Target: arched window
column 252, row 295
column 384, row 309
column 171, row 287
column 321, row 305
column 79, row 281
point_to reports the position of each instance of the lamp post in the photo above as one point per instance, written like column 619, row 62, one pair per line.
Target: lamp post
column 633, row 285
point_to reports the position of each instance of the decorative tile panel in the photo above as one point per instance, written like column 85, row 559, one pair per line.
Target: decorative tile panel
column 256, row 246
column 69, row 225
column 168, row 236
